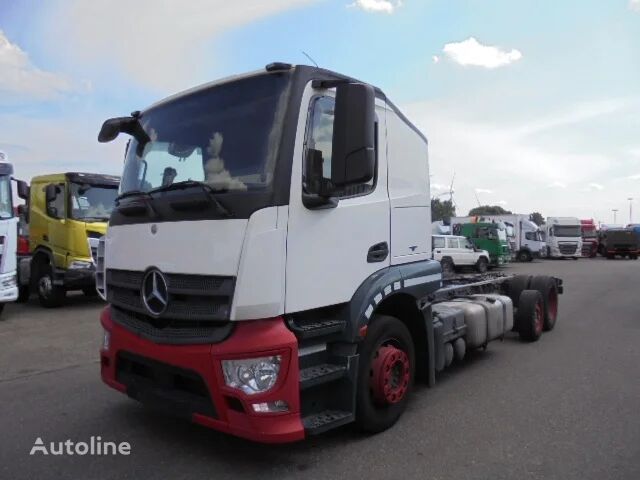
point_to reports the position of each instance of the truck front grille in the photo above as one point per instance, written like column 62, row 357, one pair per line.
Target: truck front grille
column 198, row 306
column 568, row 248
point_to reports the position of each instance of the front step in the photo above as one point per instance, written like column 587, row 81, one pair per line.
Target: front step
column 326, row 420
column 324, row 373
column 317, row 329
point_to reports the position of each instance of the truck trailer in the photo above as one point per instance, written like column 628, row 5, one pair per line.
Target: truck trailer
column 267, row 267
column 563, row 236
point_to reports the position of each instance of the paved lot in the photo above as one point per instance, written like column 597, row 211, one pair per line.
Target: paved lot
column 565, row 407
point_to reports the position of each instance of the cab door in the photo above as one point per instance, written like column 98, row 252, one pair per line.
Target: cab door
column 331, row 251
column 56, row 234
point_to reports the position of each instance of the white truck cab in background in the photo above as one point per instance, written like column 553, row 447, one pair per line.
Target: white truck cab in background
column 563, row 236
column 8, row 235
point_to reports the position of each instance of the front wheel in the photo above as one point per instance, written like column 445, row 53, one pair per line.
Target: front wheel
column 524, row 256
column 385, row 375
column 49, row 295
column 482, row 265
column 448, row 268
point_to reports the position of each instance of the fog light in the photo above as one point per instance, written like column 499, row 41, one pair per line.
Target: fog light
column 271, row 407
column 252, row 375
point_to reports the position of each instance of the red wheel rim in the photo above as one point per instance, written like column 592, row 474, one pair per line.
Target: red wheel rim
column 390, row 375
column 553, row 304
column 539, row 318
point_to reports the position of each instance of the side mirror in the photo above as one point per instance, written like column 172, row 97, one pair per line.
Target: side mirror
column 111, row 128
column 23, row 189
column 353, row 154
column 51, row 192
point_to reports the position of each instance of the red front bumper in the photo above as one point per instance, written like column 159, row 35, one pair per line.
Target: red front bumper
column 234, row 409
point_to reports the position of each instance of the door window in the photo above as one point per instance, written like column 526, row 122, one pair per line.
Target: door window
column 318, row 149
column 55, row 208
column 453, row 243
column 438, row 242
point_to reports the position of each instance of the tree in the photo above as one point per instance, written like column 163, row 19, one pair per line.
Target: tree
column 441, row 210
column 488, row 210
column 537, row 218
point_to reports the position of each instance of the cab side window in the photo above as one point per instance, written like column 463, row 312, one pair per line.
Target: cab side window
column 55, row 208
column 318, row 147
column 453, row 243
column 438, row 242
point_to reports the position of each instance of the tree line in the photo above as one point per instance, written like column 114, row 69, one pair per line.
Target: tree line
column 445, row 209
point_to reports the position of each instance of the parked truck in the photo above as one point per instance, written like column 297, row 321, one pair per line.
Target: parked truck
column 67, row 213
column 621, row 242
column 589, row 238
column 489, row 236
column 523, row 235
column 8, row 234
column 563, row 236
column 281, row 287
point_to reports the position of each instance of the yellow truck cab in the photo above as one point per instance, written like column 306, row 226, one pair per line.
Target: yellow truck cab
column 67, row 214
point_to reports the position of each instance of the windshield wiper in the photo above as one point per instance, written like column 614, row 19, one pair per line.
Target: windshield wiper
column 210, row 191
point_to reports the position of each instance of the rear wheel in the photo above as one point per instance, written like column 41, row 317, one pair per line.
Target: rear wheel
column 530, row 315
column 549, row 290
column 385, row 376
column 448, row 268
column 50, row 295
column 482, row 265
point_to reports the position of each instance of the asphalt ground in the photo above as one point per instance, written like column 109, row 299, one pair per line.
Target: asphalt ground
column 565, row 407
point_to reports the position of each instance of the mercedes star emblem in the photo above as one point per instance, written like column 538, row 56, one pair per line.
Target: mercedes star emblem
column 155, row 293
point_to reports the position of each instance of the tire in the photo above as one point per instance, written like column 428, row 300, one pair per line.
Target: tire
column 24, row 292
column 524, row 256
column 387, row 340
column 482, row 265
column 1, row 309
column 530, row 315
column 549, row 291
column 448, row 267
column 575, row 258
column 49, row 295
column 515, row 286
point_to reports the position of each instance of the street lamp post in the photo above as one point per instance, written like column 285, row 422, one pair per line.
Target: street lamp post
column 630, row 210
column 615, row 211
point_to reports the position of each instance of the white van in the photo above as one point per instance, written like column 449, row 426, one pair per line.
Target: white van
column 456, row 251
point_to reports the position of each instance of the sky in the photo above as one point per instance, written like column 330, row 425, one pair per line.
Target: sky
column 529, row 104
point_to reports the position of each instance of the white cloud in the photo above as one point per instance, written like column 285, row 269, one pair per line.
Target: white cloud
column 595, row 186
column 20, row 79
column 483, row 190
column 377, row 6
column 557, row 184
column 435, row 59
column 634, row 177
column 502, row 202
column 438, row 186
column 470, row 52
column 161, row 45
column 634, row 5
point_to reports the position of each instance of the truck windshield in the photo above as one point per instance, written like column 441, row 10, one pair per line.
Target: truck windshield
column 92, row 202
column 225, row 136
column 6, row 200
column 566, row 231
column 588, row 232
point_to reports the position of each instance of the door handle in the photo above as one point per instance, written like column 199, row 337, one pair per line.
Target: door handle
column 378, row 252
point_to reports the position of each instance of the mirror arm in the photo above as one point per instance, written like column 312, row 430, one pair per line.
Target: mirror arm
column 313, row 201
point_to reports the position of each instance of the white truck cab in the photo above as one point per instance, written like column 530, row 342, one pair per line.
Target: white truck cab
column 268, row 268
column 8, row 235
column 454, row 251
column 563, row 236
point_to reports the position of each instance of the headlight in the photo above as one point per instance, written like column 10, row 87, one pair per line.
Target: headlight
column 106, row 340
column 252, row 375
column 79, row 264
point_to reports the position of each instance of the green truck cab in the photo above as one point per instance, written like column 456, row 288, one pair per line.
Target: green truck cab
column 67, row 214
column 491, row 237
